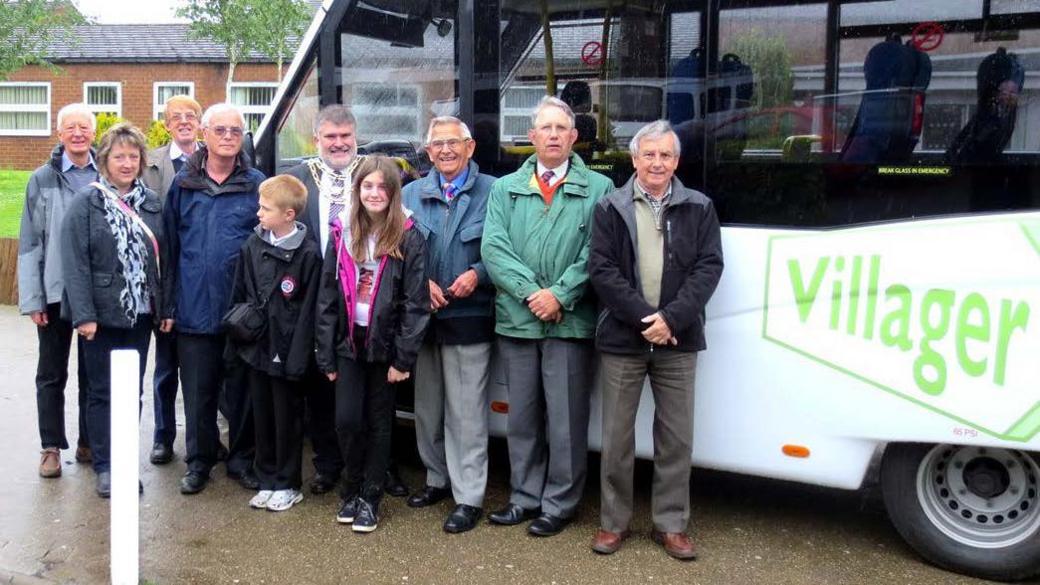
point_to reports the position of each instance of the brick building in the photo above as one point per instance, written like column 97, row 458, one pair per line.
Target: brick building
column 126, row 69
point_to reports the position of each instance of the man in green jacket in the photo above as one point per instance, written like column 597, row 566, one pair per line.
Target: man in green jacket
column 535, row 248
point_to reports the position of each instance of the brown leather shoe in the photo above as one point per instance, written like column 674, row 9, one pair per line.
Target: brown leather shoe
column 50, row 462
column 84, row 455
column 677, row 544
column 607, row 542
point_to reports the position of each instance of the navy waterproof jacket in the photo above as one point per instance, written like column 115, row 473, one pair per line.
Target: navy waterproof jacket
column 206, row 225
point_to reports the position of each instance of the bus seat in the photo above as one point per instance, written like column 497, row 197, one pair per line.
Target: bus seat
column 983, row 139
column 578, row 96
column 891, row 110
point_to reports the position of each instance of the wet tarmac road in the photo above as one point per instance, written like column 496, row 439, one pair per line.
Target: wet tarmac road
column 749, row 530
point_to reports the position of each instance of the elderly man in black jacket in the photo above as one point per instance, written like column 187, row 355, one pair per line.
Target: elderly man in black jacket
column 655, row 259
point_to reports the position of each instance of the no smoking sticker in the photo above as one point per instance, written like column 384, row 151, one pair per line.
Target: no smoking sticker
column 592, row 54
column 927, row 36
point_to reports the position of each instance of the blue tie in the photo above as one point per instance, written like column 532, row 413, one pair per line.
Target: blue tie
column 449, row 191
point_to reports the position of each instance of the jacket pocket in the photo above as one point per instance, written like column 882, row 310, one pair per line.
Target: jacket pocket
column 102, row 280
column 471, row 232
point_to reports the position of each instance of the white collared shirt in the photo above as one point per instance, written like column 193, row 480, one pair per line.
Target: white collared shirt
column 176, row 152
column 276, row 241
column 558, row 173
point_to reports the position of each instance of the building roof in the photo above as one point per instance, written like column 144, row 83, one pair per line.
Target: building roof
column 144, row 43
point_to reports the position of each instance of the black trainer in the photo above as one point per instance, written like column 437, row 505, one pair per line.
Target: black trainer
column 367, row 516
column 348, row 511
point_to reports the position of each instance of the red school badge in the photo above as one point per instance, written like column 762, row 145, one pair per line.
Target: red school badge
column 288, row 286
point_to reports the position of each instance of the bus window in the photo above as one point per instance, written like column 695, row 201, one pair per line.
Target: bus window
column 397, row 72
column 613, row 56
column 295, row 139
column 770, row 72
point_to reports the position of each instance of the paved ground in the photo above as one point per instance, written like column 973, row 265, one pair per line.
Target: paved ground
column 750, row 530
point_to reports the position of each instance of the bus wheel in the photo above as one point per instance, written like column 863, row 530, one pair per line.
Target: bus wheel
column 974, row 510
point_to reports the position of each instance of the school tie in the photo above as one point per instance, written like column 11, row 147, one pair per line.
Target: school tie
column 547, row 176
column 449, row 191
column 337, row 202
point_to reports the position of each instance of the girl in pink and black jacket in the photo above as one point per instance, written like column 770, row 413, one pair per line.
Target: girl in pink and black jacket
column 373, row 307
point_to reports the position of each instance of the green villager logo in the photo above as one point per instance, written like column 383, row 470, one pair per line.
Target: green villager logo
column 938, row 313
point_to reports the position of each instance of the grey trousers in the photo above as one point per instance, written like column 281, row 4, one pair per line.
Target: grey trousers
column 548, row 383
column 451, row 417
column 671, row 380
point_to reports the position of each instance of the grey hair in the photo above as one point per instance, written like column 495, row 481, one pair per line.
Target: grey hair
column 445, row 120
column 221, row 108
column 551, row 102
column 77, row 109
column 335, row 114
column 655, row 129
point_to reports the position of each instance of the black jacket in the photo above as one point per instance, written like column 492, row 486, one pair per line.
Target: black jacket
column 398, row 317
column 692, row 267
column 287, row 277
column 93, row 272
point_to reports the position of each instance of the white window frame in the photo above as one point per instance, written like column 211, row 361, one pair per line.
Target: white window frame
column 159, row 109
column 265, row 110
column 104, row 109
column 38, row 108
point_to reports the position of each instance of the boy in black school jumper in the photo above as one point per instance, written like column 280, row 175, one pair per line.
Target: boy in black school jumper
column 277, row 274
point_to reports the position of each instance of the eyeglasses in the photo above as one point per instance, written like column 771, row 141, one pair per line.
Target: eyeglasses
column 183, row 117
column 235, row 131
column 452, row 143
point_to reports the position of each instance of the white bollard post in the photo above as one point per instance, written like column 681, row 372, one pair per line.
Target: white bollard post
column 124, row 446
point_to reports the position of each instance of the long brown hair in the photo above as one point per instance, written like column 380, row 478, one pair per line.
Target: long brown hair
column 388, row 229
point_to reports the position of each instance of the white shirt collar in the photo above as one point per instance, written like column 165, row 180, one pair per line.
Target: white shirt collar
column 276, row 240
column 558, row 172
column 176, row 152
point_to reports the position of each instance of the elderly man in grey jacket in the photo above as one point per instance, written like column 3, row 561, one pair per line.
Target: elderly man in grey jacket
column 40, row 285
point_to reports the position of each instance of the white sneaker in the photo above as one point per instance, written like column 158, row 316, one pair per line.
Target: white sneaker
column 283, row 500
column 259, row 501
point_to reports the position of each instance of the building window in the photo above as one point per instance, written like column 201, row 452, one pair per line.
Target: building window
column 387, row 111
column 104, row 97
column 253, row 100
column 25, row 109
column 164, row 90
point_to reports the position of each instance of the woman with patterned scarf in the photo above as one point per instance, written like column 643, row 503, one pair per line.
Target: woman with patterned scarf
column 112, row 237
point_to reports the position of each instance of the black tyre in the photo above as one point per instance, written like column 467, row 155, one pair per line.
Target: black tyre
column 974, row 510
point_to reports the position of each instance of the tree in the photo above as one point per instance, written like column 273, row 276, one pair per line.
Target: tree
column 28, row 27
column 770, row 61
column 283, row 22
column 230, row 23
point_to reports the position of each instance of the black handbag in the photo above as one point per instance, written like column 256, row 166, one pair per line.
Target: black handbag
column 244, row 323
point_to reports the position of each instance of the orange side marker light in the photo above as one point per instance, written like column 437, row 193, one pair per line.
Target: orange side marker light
column 799, row 451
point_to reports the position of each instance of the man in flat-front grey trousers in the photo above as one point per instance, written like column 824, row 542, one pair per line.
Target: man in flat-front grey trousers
column 536, row 248
column 451, row 374
column 654, row 260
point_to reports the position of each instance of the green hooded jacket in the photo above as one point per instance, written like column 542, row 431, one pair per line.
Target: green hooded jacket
column 528, row 246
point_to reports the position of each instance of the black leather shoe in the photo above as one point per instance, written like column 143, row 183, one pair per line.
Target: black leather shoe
column 547, row 525
column 428, row 496
column 394, row 485
column 161, row 454
column 193, row 482
column 246, row 479
column 513, row 514
column 462, row 519
column 322, row 483
column 222, row 452
column 104, row 484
